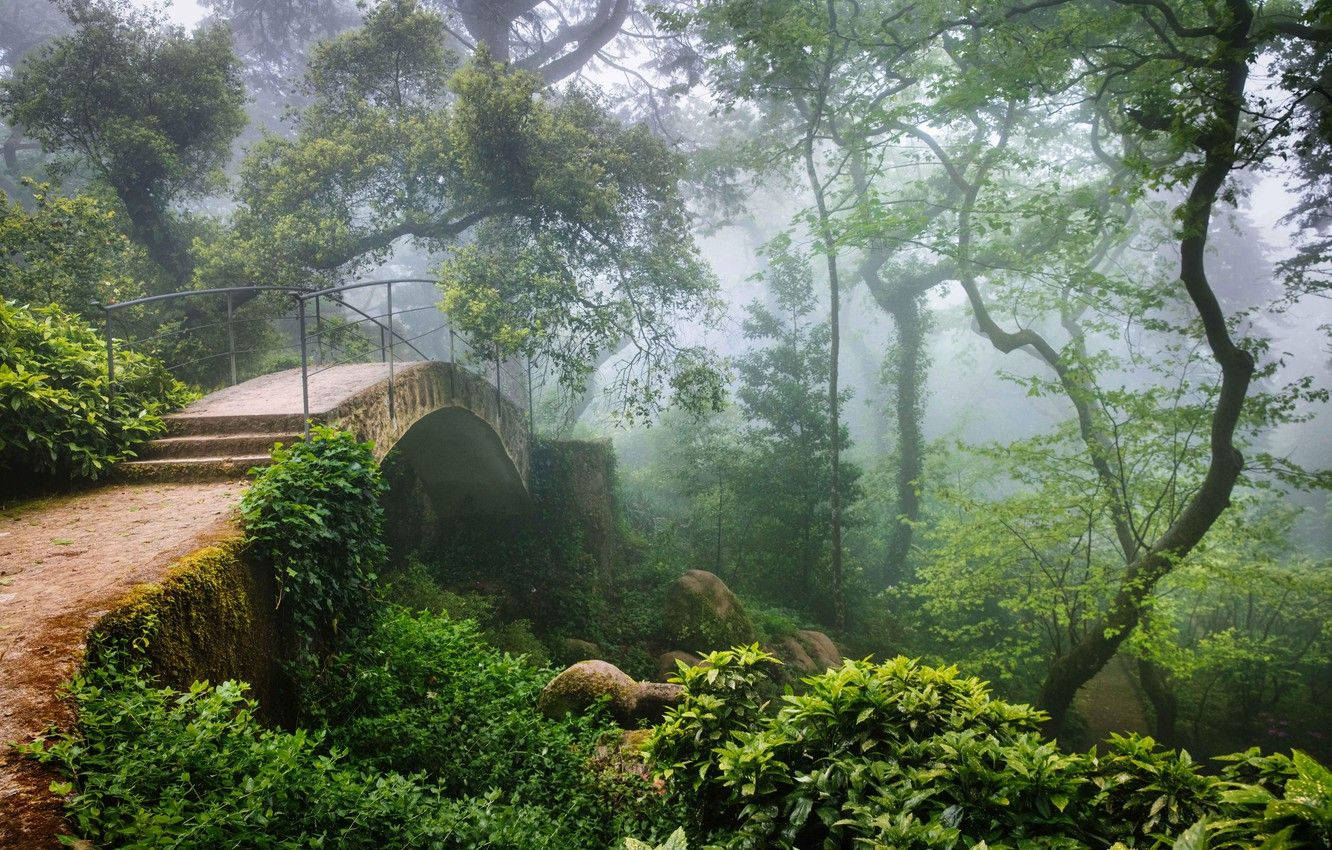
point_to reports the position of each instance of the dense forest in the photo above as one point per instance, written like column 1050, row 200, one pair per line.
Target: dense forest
column 985, row 344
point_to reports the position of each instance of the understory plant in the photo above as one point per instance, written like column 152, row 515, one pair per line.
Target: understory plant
column 316, row 517
column 153, row 767
column 899, row 754
column 425, row 694
column 59, row 414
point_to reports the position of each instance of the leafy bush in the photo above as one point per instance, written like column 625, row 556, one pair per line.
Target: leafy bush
column 676, row 841
column 417, row 692
column 60, row 418
column 413, row 588
column 155, row 767
column 315, row 516
column 423, row 693
column 903, row 755
column 68, row 251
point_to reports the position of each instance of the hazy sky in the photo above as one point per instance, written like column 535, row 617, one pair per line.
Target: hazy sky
column 185, row 12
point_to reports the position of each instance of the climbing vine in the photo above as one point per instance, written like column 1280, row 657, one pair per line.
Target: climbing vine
column 315, row 516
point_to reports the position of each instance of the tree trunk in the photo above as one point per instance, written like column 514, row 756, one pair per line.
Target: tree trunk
column 910, row 442
column 1165, row 708
column 1218, row 143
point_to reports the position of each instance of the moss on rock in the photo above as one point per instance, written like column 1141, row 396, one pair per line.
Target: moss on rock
column 586, row 682
column 702, row 614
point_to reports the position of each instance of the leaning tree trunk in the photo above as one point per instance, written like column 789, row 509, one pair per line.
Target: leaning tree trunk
column 1219, row 144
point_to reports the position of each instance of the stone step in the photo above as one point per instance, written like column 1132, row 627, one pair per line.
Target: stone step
column 185, row 425
column 214, row 445
column 223, row 468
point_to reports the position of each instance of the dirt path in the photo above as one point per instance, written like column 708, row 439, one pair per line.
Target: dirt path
column 63, row 562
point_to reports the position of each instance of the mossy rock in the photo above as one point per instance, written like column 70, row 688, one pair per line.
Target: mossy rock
column 582, row 685
column 573, row 650
column 668, row 662
column 820, row 648
column 807, row 652
column 702, row 614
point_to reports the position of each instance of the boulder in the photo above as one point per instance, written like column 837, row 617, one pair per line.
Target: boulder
column 666, row 662
column 702, row 614
column 820, row 648
column 583, row 684
column 793, row 655
column 573, row 650
column 654, row 698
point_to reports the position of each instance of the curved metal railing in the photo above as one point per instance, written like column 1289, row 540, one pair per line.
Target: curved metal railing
column 512, row 377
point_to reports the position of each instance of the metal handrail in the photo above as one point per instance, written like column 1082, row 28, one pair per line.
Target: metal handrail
column 387, row 333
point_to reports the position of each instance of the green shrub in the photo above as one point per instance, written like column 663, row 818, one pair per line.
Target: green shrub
column 315, row 516
column 903, row 755
column 1271, row 801
column 153, row 767
column 70, row 251
column 420, row 693
column 58, row 417
column 415, row 589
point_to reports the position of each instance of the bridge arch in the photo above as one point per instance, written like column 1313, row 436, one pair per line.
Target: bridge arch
column 467, row 444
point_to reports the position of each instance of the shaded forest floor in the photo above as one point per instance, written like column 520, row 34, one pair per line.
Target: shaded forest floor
column 1112, row 702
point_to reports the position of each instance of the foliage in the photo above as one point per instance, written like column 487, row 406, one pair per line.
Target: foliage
column 67, row 251
column 414, row 589
column 155, row 767
column 582, row 242
column 61, row 416
column 424, row 693
column 899, row 754
column 781, row 478
column 315, row 516
column 149, row 109
column 676, row 841
column 1240, row 630
column 721, row 695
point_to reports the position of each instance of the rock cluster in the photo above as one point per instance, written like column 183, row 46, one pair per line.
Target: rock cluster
column 703, row 615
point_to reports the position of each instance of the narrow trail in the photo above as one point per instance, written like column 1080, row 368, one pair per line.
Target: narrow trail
column 63, row 562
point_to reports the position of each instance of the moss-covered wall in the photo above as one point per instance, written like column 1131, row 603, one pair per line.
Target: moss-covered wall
column 573, row 482
column 212, row 617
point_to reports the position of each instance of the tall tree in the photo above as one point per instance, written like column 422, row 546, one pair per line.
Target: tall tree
column 783, row 476
column 148, row 109
column 561, row 231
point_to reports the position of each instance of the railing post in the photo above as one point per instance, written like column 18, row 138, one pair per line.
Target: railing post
column 110, row 366
column 393, row 413
column 319, row 333
column 453, row 363
column 231, row 339
column 305, row 374
column 383, row 346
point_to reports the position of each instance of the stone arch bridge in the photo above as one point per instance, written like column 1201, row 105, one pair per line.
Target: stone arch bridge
column 467, row 443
